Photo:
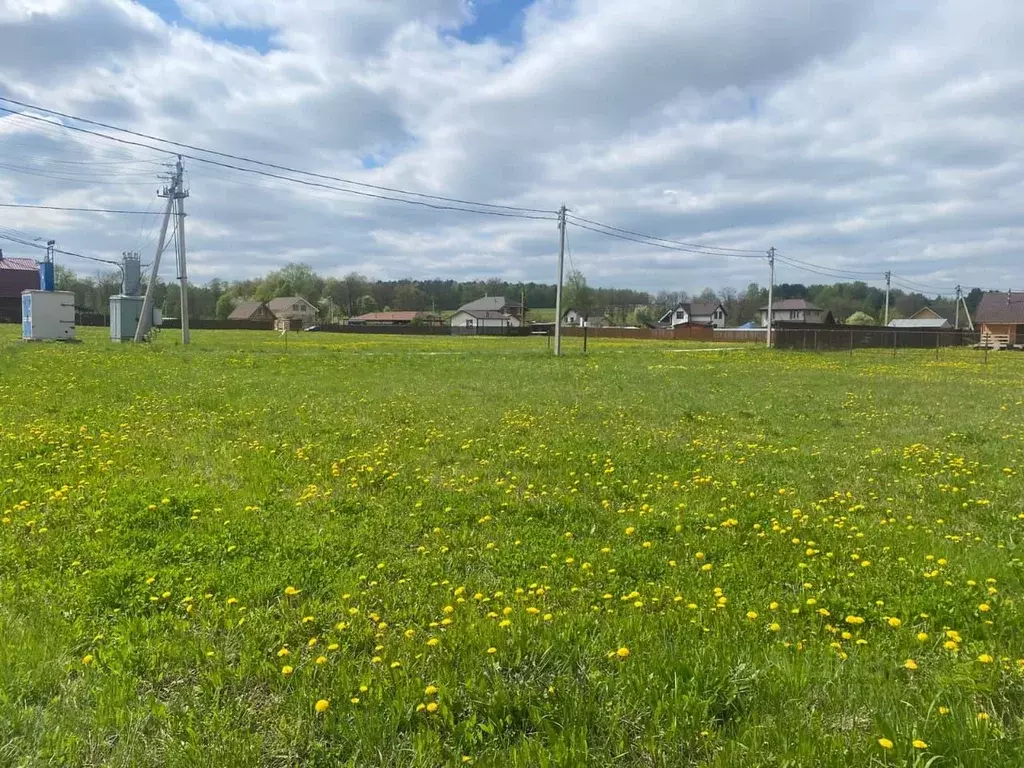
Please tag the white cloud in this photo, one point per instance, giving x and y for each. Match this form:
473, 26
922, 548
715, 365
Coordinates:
861, 135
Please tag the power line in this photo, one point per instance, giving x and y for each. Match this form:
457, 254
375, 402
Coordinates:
824, 271
679, 244
304, 182
31, 244
79, 210
244, 159
838, 270
915, 286
653, 243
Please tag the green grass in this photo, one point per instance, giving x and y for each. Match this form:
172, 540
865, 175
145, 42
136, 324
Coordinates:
718, 514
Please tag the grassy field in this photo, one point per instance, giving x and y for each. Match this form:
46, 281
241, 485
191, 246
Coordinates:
367, 551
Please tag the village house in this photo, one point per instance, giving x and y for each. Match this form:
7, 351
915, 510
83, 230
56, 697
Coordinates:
695, 313
1000, 318
595, 318
16, 275
796, 311
488, 312
925, 319
401, 317
292, 313
252, 312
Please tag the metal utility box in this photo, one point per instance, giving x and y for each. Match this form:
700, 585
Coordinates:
125, 312
47, 315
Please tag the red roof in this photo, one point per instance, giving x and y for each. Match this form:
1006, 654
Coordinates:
18, 265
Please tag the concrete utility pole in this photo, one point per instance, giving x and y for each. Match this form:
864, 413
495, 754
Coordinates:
771, 292
146, 317
957, 323
888, 282
558, 290
179, 197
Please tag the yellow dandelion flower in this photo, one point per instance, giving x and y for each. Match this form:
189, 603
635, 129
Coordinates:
354, 699
321, 659
983, 715
943, 710
433, 642
751, 615
492, 649
893, 622
885, 743
623, 652
291, 591
430, 690
910, 664
286, 670
432, 707
87, 659
855, 620
282, 653
376, 660
322, 706
922, 636
985, 658
774, 626
918, 744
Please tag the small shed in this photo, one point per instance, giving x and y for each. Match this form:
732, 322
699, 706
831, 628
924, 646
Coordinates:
1000, 316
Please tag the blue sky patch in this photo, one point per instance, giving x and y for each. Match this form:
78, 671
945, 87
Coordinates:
257, 39
501, 20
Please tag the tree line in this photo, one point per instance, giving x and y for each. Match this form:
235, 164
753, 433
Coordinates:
356, 294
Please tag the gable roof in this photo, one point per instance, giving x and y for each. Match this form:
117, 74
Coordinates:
482, 314
245, 310
399, 316
921, 323
1001, 307
793, 304
704, 307
282, 306
490, 304
926, 313
18, 265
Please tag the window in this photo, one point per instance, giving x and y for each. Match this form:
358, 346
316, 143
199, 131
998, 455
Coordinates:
680, 314
469, 323
295, 307
794, 314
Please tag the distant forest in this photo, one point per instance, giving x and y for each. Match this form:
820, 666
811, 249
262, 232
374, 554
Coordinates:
356, 294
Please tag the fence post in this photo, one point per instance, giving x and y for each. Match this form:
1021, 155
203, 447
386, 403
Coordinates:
851, 343
936, 346
894, 343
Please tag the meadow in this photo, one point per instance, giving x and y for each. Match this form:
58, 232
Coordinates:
340, 550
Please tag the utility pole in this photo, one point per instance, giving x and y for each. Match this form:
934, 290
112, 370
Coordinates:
771, 292
146, 316
558, 289
179, 196
957, 323
888, 282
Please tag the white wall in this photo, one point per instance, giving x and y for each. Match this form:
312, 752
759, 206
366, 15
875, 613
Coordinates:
465, 320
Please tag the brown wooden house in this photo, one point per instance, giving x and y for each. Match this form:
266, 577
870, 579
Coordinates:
1000, 317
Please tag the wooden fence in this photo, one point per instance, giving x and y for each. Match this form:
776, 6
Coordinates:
868, 337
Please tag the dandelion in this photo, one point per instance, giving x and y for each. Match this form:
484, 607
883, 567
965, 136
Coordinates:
87, 659
623, 652
333, 647
918, 744
751, 615
321, 659
430, 690
376, 660
396, 664
354, 699
774, 626
943, 711
432, 707
893, 622
322, 706
492, 649
985, 658
983, 715
291, 591
885, 743
984, 608
910, 664
432, 642
282, 653
922, 636
286, 670
855, 620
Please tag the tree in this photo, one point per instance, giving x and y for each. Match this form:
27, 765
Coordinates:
225, 306
365, 305
860, 318
579, 295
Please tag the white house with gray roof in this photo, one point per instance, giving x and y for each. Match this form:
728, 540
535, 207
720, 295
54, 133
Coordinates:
488, 312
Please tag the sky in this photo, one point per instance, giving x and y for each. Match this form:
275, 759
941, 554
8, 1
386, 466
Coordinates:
857, 136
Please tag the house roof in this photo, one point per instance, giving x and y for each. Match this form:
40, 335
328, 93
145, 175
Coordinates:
401, 316
920, 323
282, 306
1001, 307
704, 307
793, 304
18, 265
490, 304
244, 310
926, 313
482, 314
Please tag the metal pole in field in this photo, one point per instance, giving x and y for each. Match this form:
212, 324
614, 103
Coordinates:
771, 291
888, 282
558, 289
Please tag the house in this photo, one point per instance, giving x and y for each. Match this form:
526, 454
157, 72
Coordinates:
16, 275
925, 319
595, 318
292, 313
488, 312
695, 312
796, 311
1000, 317
395, 318
252, 312
483, 318
495, 304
